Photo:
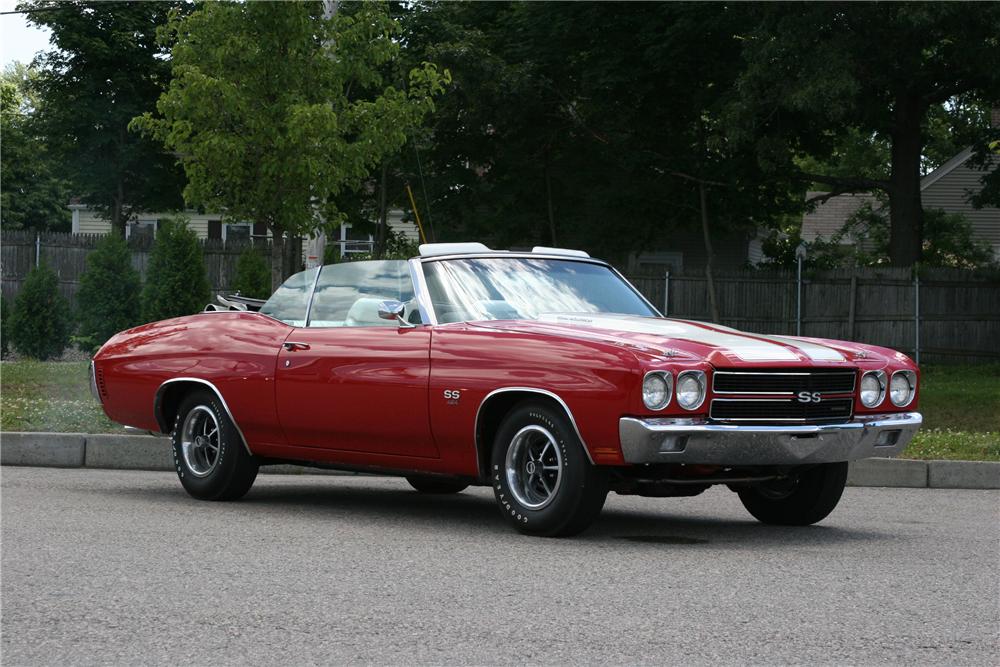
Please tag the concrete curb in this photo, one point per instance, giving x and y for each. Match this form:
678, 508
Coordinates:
143, 452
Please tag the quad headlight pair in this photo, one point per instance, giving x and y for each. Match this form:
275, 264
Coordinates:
902, 388
658, 389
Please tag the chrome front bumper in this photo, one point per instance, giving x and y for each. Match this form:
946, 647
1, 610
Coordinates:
680, 441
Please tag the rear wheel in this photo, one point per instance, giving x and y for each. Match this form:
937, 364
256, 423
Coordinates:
434, 485
541, 476
211, 460
800, 501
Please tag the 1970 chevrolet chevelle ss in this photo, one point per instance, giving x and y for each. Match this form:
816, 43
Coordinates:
543, 374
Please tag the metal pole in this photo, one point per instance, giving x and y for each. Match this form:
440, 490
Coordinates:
666, 294
798, 300
916, 316
38, 249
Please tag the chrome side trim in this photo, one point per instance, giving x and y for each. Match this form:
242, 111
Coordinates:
530, 390
229, 413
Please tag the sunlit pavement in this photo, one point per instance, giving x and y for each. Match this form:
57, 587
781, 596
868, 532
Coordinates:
123, 567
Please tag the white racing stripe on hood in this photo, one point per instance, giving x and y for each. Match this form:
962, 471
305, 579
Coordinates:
746, 348
815, 351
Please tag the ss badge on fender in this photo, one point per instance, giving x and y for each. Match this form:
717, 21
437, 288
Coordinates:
452, 396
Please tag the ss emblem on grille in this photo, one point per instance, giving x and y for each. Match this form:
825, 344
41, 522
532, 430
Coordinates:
809, 397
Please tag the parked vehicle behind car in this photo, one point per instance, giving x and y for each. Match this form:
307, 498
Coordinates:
542, 374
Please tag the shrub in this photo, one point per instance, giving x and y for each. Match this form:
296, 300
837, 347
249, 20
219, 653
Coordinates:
40, 324
176, 283
108, 300
253, 275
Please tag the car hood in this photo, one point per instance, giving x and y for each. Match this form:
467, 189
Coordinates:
721, 346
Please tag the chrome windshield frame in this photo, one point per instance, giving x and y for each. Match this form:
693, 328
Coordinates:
427, 307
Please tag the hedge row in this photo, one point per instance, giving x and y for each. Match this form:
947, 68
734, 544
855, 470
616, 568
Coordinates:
112, 298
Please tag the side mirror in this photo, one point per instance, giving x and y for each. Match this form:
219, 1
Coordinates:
393, 310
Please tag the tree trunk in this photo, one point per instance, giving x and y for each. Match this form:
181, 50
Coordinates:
118, 210
548, 201
277, 258
906, 215
713, 302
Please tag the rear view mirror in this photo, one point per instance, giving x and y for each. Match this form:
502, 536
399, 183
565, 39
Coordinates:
393, 310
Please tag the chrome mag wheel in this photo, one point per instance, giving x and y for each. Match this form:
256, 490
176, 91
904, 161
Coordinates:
534, 467
200, 441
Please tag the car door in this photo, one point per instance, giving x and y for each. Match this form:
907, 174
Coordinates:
351, 381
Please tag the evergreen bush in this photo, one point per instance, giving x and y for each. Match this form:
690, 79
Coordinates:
108, 300
176, 283
40, 325
253, 275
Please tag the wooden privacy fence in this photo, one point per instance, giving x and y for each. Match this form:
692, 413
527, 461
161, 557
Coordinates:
66, 254
944, 315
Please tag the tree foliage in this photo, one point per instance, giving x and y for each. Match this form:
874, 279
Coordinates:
886, 72
108, 299
275, 110
253, 275
40, 325
33, 195
176, 283
106, 67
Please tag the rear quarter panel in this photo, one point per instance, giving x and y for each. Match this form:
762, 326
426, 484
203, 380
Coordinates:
236, 352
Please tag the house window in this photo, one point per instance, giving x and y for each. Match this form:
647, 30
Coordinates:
354, 241
237, 232
215, 229
141, 228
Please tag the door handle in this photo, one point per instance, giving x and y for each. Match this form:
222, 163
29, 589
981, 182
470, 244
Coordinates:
292, 347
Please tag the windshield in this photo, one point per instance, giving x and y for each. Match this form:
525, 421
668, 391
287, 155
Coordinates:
511, 288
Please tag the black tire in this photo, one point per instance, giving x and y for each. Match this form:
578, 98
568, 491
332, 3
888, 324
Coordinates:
807, 499
435, 485
217, 467
540, 502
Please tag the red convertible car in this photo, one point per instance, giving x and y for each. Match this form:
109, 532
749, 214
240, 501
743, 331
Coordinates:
543, 374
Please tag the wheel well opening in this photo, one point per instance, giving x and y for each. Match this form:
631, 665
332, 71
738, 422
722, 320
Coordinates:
492, 413
168, 401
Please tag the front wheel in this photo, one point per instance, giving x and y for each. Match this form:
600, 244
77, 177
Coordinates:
211, 460
800, 501
541, 476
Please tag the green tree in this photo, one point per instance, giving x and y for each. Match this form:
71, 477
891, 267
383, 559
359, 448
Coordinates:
275, 109
176, 283
32, 194
40, 325
885, 71
106, 67
108, 299
253, 276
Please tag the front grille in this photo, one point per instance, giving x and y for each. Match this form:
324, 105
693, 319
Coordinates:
783, 395
763, 410
783, 382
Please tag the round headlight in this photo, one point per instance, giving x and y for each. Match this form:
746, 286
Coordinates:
690, 389
656, 390
901, 388
872, 388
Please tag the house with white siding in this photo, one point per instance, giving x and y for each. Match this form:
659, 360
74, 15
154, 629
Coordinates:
950, 188
216, 226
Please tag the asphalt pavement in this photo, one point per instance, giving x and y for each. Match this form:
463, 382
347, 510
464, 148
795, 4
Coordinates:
122, 567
